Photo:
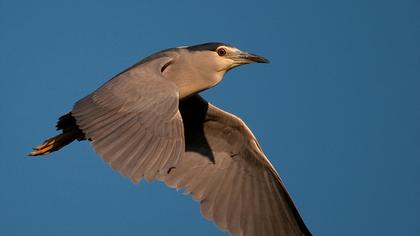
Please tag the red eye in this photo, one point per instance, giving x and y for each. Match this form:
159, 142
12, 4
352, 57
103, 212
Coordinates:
221, 52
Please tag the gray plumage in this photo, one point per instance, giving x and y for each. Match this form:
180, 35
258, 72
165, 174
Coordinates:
149, 122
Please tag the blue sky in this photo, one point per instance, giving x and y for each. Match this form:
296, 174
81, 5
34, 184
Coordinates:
337, 111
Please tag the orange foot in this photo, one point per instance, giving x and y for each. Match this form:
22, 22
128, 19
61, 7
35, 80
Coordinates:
43, 149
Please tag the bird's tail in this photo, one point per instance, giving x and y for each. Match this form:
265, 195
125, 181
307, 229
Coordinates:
70, 132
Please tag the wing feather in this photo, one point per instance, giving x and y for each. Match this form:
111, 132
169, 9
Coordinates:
225, 169
133, 121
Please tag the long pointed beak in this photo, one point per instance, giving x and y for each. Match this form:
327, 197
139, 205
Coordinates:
247, 58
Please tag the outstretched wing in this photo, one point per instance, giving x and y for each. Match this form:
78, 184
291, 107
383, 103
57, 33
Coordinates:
225, 169
133, 121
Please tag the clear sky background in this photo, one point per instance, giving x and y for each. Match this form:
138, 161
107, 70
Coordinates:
337, 111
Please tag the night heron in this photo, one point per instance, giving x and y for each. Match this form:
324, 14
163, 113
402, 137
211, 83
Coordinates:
149, 122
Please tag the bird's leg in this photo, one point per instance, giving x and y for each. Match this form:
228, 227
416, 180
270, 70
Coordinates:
57, 142
44, 148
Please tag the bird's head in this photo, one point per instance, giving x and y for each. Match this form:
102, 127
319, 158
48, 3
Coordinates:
200, 67
222, 57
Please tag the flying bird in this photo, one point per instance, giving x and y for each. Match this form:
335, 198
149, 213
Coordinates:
149, 122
